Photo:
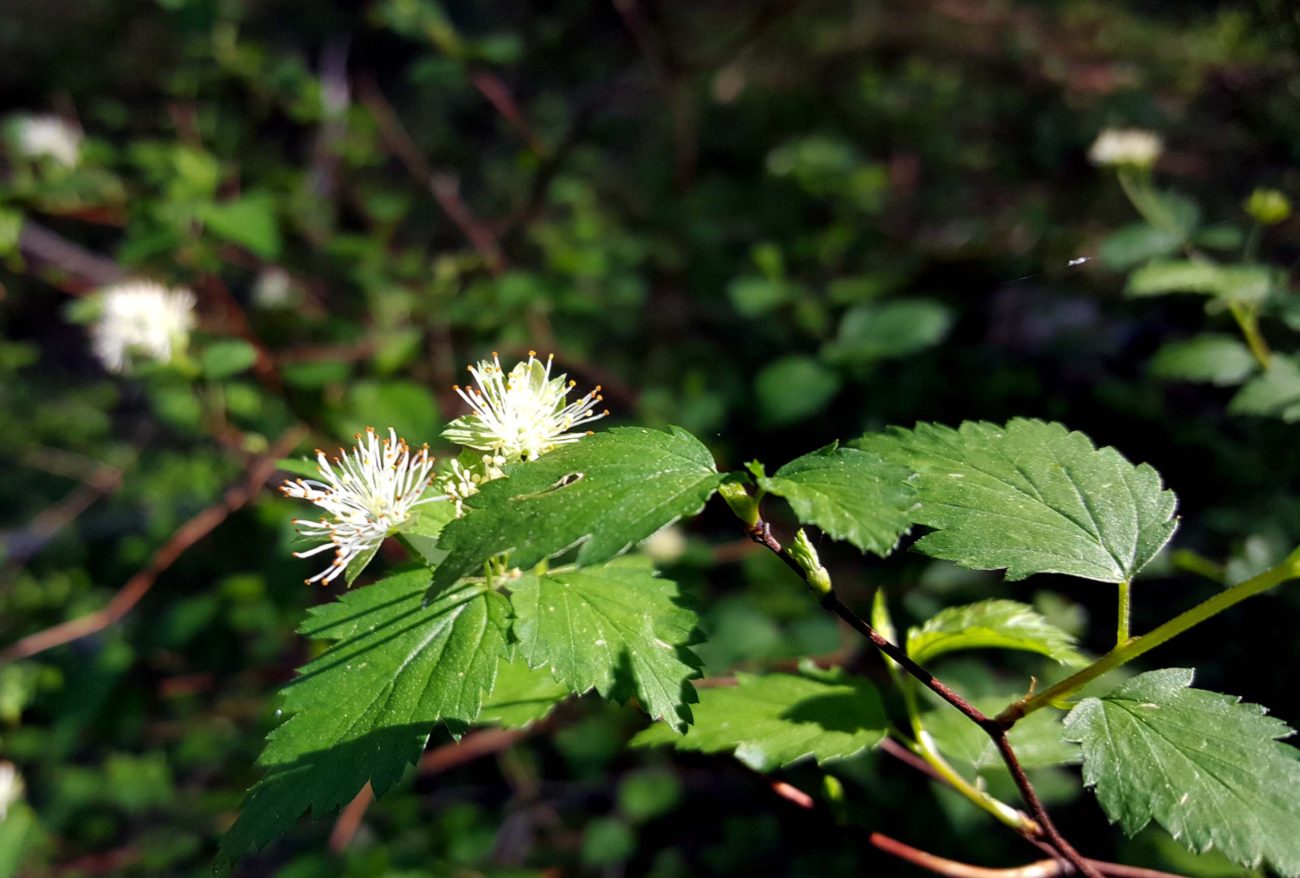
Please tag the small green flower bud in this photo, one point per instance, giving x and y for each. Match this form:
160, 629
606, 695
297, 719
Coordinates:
1268, 207
741, 503
801, 551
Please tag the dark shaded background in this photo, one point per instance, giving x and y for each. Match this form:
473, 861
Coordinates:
685, 202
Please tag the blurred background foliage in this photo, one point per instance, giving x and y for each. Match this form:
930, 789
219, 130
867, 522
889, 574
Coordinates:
774, 223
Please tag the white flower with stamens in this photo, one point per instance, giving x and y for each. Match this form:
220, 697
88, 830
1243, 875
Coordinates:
369, 491
523, 414
48, 137
141, 319
1132, 147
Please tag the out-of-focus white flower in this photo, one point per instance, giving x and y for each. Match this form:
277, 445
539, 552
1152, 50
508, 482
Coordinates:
368, 491
273, 288
49, 137
665, 545
11, 787
1133, 147
523, 414
141, 319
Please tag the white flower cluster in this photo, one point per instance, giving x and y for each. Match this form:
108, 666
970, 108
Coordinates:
515, 415
522, 414
368, 491
1126, 147
371, 490
48, 137
141, 319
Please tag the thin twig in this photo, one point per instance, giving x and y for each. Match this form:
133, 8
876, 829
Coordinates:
139, 585
910, 759
498, 95
1039, 869
81, 270
349, 819
761, 532
19, 547
483, 742
443, 185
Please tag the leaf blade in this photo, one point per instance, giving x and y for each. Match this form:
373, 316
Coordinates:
603, 495
595, 626
992, 624
1031, 497
1206, 766
850, 494
770, 721
353, 719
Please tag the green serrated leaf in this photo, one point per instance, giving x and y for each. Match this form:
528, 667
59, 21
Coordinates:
995, 624
617, 628
362, 711
421, 531
521, 696
1223, 360
604, 494
850, 494
1273, 393
772, 720
1203, 765
1037, 738
358, 565
1032, 497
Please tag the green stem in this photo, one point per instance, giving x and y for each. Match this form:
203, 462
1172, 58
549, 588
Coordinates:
1137, 188
1126, 652
1125, 597
923, 745
1248, 322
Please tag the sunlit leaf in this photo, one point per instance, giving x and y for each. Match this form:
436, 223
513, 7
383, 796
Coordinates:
773, 720
1032, 497
603, 494
1203, 765
850, 494
995, 624
362, 711
617, 628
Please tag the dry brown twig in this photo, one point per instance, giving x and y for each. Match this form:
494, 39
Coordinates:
483, 742
444, 186
185, 537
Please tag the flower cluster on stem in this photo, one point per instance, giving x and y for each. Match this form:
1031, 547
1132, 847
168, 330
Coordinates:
371, 490
367, 491
516, 415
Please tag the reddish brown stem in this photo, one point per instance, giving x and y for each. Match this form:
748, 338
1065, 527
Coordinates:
139, 585
475, 745
1039, 869
761, 532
